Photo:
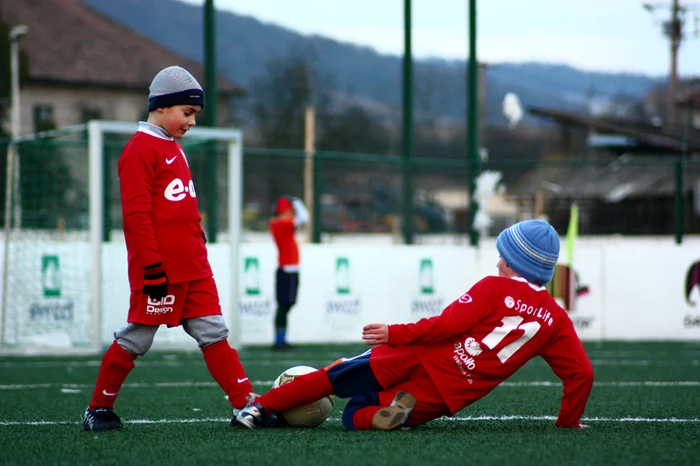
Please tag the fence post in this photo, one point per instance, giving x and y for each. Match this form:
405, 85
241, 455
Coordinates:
210, 119
473, 125
316, 205
407, 106
678, 200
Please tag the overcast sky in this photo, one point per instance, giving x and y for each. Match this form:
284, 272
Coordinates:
596, 35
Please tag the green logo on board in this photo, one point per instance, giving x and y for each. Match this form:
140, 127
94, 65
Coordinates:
425, 276
342, 275
251, 276
51, 276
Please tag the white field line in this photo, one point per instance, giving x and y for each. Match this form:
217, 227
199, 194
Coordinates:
672, 420
683, 353
166, 363
70, 386
314, 362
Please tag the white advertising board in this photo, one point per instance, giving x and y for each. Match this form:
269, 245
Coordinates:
629, 289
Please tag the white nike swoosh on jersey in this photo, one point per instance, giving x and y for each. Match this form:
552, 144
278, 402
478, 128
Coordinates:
108, 394
169, 161
242, 380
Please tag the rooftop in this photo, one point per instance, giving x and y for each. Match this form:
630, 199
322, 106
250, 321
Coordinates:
70, 43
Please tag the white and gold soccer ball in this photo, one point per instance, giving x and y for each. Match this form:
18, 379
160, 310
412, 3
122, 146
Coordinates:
311, 414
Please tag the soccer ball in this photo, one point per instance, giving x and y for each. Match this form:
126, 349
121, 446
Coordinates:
311, 414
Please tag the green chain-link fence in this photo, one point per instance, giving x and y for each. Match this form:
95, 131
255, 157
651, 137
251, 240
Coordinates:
361, 193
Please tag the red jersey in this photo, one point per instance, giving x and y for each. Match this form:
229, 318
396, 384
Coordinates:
282, 230
160, 212
490, 332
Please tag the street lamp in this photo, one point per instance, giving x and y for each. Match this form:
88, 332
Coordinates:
16, 34
12, 171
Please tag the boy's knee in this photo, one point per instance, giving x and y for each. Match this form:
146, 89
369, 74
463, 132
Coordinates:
206, 330
135, 338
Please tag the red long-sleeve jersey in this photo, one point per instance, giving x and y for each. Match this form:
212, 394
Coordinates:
282, 230
490, 332
160, 212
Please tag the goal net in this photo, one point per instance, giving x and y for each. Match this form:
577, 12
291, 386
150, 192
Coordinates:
64, 276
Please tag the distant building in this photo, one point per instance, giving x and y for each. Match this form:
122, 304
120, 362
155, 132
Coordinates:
689, 103
84, 65
628, 180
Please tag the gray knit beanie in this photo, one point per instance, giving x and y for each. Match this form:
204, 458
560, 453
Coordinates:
174, 85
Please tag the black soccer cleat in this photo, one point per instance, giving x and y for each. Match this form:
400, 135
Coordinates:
101, 420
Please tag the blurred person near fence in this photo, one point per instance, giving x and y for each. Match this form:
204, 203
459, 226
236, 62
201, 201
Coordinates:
290, 213
438, 366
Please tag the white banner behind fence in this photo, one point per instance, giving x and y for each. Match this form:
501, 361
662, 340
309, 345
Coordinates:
637, 288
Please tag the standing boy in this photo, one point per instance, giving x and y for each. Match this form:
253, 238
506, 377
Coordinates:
290, 213
170, 277
440, 365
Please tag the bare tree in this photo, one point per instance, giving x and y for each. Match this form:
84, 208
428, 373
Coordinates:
280, 96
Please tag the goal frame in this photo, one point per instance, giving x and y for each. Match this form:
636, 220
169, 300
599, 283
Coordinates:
96, 130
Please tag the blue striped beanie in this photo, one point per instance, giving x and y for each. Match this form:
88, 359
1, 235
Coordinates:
531, 249
172, 86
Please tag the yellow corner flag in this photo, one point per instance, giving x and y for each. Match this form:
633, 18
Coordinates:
571, 235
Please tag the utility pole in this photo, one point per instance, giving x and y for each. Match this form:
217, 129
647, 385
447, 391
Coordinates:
673, 29
313, 235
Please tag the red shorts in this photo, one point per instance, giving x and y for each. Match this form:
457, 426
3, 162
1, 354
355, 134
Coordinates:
399, 369
185, 300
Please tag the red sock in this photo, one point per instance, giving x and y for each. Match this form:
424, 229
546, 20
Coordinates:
303, 389
116, 365
224, 365
362, 419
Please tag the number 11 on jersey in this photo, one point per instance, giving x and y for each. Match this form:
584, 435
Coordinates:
510, 323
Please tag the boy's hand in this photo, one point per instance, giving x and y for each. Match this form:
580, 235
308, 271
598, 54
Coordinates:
375, 334
155, 282
301, 215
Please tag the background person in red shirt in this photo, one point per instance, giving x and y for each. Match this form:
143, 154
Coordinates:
290, 213
440, 365
170, 277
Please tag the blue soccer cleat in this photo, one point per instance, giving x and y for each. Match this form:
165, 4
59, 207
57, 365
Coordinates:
253, 415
